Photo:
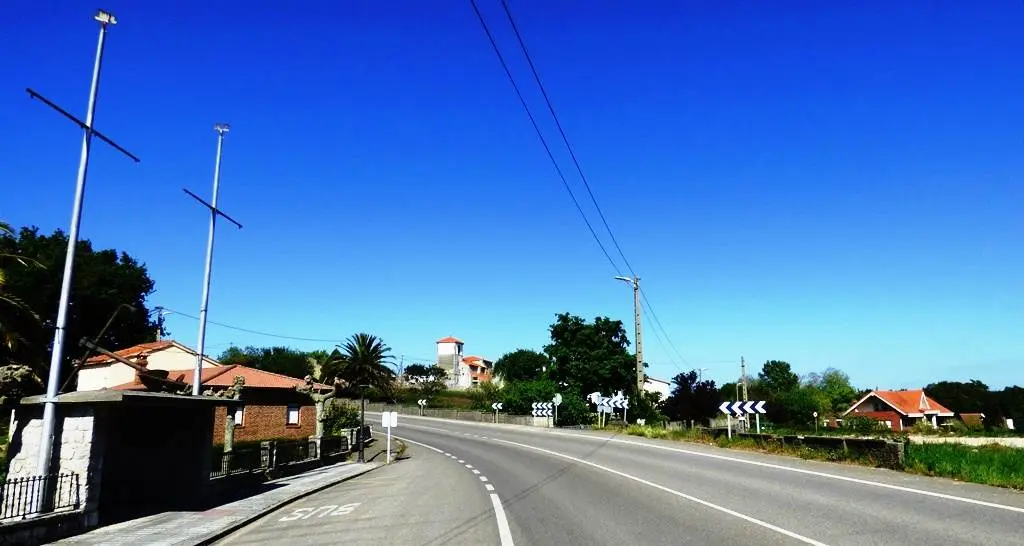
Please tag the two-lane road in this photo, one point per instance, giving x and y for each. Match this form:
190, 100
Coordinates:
567, 487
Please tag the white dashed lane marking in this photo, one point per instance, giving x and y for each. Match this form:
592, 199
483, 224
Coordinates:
504, 533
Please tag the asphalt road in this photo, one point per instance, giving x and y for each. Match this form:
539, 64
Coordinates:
469, 483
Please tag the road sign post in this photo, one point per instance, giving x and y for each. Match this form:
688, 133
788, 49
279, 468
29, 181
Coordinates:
496, 407
421, 403
389, 420
557, 401
741, 409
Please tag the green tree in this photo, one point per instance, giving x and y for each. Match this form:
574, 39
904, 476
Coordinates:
16, 317
691, 398
519, 396
281, 360
521, 365
364, 360
836, 387
777, 378
591, 357
103, 281
574, 409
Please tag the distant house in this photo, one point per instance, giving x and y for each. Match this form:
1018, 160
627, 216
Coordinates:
899, 410
660, 386
463, 371
103, 372
973, 419
272, 407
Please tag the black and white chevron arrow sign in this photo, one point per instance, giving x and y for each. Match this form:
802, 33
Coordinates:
741, 408
543, 409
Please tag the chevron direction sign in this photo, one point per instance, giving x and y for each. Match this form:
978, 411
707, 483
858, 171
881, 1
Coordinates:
422, 402
606, 403
543, 409
496, 406
742, 407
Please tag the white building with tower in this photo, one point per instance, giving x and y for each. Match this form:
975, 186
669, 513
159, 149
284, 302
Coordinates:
463, 371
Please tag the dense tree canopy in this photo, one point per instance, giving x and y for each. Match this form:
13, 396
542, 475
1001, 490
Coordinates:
691, 398
521, 365
282, 360
103, 281
364, 361
777, 378
591, 357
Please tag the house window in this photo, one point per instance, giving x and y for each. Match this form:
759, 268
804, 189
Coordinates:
292, 416
239, 414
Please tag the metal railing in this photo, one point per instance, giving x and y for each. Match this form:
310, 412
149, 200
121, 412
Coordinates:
30, 495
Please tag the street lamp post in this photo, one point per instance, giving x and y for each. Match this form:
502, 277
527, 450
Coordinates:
635, 282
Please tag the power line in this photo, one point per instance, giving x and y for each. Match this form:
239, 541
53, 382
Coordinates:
657, 322
561, 131
257, 332
540, 135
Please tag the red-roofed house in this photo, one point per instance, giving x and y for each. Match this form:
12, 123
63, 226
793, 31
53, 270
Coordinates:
271, 407
900, 409
103, 372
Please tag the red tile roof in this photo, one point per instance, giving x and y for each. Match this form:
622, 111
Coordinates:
472, 359
906, 402
223, 376
449, 339
140, 350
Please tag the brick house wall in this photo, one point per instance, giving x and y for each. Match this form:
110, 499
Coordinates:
265, 416
893, 417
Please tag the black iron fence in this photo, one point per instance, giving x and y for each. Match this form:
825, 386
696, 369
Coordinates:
30, 495
272, 454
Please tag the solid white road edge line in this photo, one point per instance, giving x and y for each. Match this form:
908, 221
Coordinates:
847, 479
904, 489
680, 494
499, 513
504, 533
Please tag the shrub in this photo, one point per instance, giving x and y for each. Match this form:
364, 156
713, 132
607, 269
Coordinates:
339, 416
863, 425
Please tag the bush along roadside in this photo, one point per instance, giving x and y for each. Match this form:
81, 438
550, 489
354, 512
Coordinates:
989, 465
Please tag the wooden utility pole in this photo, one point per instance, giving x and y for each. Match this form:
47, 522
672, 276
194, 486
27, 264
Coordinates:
639, 337
743, 376
635, 282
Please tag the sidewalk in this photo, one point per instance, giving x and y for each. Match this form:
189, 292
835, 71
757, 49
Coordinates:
191, 528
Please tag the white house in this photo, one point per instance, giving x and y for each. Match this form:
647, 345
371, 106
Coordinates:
463, 371
103, 372
660, 386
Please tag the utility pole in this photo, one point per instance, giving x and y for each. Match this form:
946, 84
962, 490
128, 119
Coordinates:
743, 375
46, 442
222, 129
635, 281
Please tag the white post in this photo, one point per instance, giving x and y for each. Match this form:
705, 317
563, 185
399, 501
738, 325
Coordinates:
389, 446
57, 355
728, 424
757, 417
201, 345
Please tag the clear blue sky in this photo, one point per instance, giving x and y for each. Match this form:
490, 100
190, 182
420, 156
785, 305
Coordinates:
828, 185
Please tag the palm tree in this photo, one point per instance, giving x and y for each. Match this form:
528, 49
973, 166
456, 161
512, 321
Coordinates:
363, 362
12, 309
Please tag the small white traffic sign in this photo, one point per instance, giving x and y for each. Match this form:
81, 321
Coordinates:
389, 419
557, 400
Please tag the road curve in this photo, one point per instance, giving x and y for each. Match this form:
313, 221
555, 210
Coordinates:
585, 488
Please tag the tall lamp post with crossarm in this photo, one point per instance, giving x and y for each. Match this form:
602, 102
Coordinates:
635, 282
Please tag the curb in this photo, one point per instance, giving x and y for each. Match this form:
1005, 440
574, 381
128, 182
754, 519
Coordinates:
213, 537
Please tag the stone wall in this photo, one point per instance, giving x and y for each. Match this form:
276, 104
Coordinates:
459, 415
1016, 442
79, 450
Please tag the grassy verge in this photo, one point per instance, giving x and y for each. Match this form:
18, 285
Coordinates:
989, 465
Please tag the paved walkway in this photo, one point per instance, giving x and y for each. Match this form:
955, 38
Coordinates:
191, 528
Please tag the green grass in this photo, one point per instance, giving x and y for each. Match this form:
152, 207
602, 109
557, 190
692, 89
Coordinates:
990, 465
994, 465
